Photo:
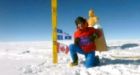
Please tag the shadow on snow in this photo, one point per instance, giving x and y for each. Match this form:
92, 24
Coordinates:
107, 61
124, 46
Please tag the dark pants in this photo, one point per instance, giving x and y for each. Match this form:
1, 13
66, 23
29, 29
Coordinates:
90, 57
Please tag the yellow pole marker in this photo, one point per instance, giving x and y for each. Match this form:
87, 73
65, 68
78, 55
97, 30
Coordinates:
54, 30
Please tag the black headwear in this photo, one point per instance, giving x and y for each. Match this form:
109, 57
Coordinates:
79, 20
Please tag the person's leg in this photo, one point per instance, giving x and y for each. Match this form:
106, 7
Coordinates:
74, 49
90, 60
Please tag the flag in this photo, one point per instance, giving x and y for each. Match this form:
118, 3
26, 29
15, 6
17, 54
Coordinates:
60, 37
68, 37
62, 48
59, 31
63, 35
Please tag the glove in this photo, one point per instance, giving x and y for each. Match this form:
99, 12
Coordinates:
93, 37
76, 41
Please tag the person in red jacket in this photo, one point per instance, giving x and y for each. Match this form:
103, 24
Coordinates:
84, 38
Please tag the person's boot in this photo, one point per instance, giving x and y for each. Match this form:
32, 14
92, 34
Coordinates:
97, 61
74, 63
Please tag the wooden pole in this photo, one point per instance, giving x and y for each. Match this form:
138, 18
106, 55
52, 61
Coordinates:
54, 30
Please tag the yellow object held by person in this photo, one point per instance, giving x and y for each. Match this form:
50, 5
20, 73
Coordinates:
93, 22
92, 18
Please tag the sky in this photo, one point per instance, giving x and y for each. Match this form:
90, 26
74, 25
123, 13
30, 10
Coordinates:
30, 20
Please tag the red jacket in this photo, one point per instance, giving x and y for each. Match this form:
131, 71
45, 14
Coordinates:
85, 43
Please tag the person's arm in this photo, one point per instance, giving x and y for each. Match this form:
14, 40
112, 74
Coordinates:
95, 35
76, 39
98, 33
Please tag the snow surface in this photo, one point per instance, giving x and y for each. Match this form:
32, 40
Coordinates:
35, 58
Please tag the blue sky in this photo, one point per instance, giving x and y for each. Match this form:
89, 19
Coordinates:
30, 20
